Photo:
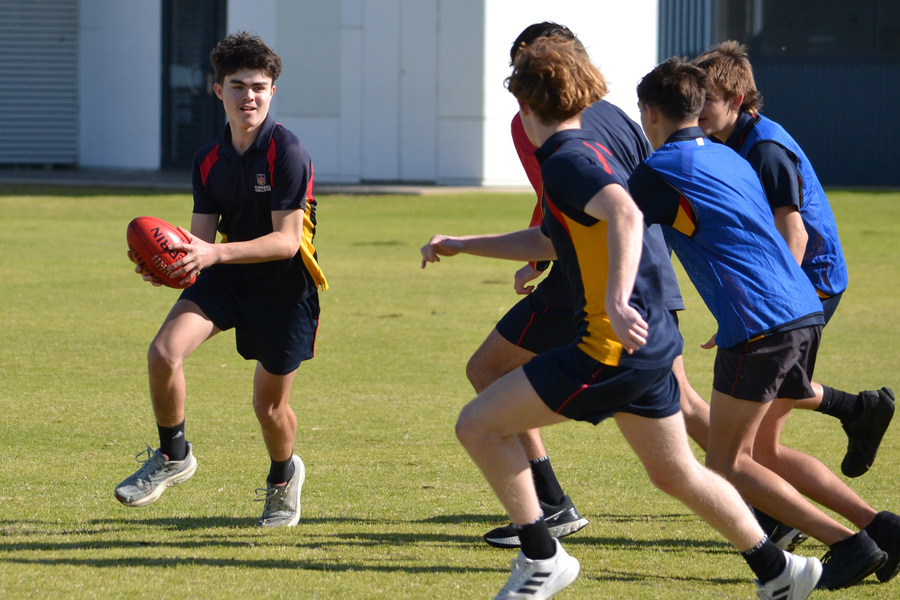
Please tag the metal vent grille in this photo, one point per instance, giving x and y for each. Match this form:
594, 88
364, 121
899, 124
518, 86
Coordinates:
685, 27
39, 82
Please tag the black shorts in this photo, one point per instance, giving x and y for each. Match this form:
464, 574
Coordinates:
279, 334
576, 386
779, 365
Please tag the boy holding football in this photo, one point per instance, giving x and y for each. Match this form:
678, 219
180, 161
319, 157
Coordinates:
254, 186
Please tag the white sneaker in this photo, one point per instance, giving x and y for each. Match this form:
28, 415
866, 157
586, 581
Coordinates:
155, 475
539, 579
282, 507
796, 582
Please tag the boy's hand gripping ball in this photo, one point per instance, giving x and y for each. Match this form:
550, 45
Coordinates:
149, 247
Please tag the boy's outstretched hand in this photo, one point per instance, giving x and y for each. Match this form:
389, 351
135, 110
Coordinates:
440, 245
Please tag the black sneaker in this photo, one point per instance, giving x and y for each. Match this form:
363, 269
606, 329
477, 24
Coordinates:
787, 538
865, 433
561, 520
848, 566
782, 535
885, 531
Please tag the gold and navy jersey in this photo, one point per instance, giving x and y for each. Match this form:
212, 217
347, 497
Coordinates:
574, 167
607, 124
275, 173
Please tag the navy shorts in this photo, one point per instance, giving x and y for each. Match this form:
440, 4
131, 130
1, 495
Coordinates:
775, 366
829, 305
576, 386
279, 333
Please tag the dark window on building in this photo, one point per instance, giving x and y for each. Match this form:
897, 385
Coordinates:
811, 29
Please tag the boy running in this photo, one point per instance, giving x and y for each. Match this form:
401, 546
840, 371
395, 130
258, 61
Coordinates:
619, 365
769, 321
804, 218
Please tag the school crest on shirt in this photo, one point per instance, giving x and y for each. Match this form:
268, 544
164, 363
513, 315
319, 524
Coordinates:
261, 185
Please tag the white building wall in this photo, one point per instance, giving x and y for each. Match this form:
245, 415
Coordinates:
379, 90
412, 90
620, 37
460, 72
120, 78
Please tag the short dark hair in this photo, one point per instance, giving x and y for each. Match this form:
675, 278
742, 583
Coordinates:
243, 50
539, 30
555, 78
676, 88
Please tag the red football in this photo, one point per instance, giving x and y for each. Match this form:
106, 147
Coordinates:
149, 239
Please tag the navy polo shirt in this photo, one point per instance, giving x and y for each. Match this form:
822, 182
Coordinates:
275, 173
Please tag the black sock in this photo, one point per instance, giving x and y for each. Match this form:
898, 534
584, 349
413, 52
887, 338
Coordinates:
765, 560
872, 528
766, 521
537, 544
841, 405
281, 471
172, 442
545, 482
846, 542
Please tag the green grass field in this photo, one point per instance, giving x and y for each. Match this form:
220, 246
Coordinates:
392, 506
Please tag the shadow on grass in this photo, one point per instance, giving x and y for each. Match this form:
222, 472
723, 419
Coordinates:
268, 564
172, 542
18, 538
83, 543
645, 578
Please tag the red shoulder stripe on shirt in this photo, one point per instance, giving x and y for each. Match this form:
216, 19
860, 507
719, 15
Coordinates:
596, 148
309, 186
208, 163
270, 158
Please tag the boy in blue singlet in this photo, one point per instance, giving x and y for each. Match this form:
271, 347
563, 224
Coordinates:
620, 363
254, 185
803, 217
769, 320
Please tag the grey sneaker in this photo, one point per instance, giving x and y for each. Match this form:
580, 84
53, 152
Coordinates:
796, 582
282, 507
539, 579
156, 474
